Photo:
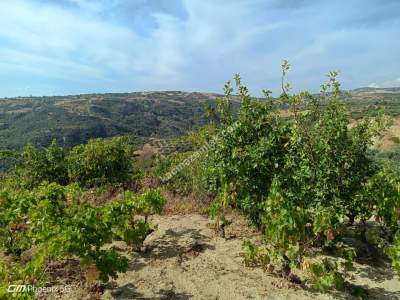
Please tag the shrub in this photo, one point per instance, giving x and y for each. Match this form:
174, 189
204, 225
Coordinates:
301, 178
52, 221
35, 165
101, 162
98, 163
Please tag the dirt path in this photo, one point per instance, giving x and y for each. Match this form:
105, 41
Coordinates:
186, 260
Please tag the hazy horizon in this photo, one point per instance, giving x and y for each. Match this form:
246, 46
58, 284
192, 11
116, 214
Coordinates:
256, 94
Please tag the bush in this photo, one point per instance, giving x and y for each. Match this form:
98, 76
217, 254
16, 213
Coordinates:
101, 162
52, 221
34, 165
98, 163
301, 179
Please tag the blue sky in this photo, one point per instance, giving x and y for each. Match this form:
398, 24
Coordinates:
58, 47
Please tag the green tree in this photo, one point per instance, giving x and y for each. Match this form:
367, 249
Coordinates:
302, 176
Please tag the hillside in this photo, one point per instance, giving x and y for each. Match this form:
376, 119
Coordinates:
372, 90
75, 119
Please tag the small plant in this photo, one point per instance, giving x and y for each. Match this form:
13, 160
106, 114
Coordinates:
255, 255
325, 275
394, 253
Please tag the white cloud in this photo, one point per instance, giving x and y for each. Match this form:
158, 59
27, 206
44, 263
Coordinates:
374, 85
386, 84
87, 42
61, 43
391, 83
50, 39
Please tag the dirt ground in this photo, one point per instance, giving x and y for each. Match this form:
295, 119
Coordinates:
386, 142
185, 259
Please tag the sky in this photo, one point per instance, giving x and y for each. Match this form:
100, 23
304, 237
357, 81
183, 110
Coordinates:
61, 47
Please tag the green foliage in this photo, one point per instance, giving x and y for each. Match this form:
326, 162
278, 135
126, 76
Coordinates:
34, 165
254, 255
21, 274
394, 253
285, 224
325, 275
193, 174
52, 215
391, 156
101, 162
98, 163
182, 182
301, 178
380, 198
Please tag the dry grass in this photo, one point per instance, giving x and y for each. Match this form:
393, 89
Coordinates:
182, 205
391, 134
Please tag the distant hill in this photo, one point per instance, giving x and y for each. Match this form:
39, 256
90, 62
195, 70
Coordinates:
77, 118
372, 90
367, 101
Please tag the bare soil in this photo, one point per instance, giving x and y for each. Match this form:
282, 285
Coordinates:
185, 259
